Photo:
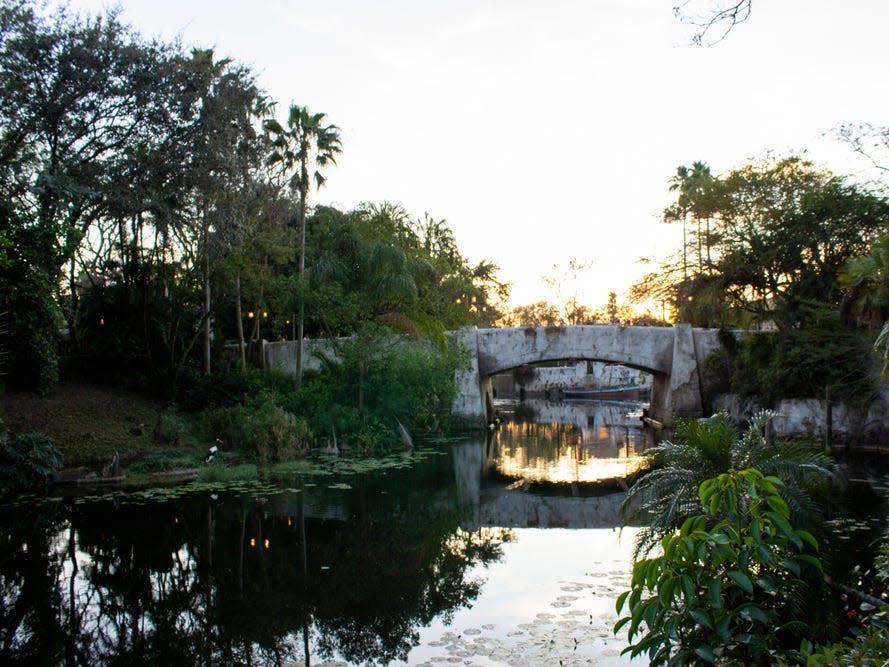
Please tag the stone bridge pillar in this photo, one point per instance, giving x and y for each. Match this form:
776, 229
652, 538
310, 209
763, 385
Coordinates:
470, 402
683, 396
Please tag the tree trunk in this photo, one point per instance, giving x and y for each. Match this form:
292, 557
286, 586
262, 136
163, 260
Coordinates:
300, 325
242, 348
206, 276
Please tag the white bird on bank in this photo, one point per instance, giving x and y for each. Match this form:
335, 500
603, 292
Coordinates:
212, 451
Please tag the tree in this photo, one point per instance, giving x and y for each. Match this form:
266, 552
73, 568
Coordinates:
565, 284
75, 92
305, 143
866, 280
220, 159
539, 314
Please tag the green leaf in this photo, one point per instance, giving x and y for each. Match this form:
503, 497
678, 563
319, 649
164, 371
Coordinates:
714, 593
790, 564
618, 606
767, 584
701, 617
665, 587
811, 560
704, 652
754, 612
621, 623
808, 538
778, 505
742, 580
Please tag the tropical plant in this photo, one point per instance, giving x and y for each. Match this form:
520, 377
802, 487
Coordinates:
665, 496
29, 459
722, 590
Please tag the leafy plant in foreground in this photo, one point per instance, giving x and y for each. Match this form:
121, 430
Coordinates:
27, 460
663, 498
721, 591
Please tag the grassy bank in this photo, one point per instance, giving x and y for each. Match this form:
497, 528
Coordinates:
88, 423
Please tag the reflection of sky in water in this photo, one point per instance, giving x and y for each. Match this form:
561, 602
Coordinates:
550, 598
582, 443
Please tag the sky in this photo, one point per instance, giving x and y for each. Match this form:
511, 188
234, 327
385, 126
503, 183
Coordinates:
545, 131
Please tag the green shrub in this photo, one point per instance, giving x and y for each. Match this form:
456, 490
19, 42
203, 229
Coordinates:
172, 429
379, 380
723, 589
28, 460
260, 428
800, 362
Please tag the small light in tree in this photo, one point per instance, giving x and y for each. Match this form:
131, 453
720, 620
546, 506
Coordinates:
265, 314
266, 543
249, 314
252, 542
101, 321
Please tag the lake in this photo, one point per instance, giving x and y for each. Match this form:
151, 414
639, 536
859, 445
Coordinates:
499, 550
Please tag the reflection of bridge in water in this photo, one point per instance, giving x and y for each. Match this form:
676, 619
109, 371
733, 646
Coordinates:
534, 474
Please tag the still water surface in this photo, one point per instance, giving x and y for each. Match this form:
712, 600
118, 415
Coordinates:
496, 551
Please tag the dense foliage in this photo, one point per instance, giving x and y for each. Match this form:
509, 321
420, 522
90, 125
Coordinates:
27, 460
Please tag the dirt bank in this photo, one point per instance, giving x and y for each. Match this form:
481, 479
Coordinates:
88, 423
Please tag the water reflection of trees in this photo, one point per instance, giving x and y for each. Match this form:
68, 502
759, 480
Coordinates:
203, 581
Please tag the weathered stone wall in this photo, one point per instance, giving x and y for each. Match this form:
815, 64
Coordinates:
807, 418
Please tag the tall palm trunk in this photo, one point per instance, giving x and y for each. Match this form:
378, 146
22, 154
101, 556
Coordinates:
301, 318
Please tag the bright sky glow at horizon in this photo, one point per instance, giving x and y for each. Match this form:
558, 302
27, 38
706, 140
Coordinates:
546, 131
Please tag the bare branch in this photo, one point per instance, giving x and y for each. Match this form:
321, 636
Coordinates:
721, 18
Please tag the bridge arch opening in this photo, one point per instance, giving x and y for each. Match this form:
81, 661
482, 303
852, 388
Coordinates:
567, 378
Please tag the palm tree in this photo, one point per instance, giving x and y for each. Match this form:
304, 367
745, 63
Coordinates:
691, 185
699, 183
667, 495
679, 211
305, 143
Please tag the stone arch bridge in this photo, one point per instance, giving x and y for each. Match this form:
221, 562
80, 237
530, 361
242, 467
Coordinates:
673, 355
